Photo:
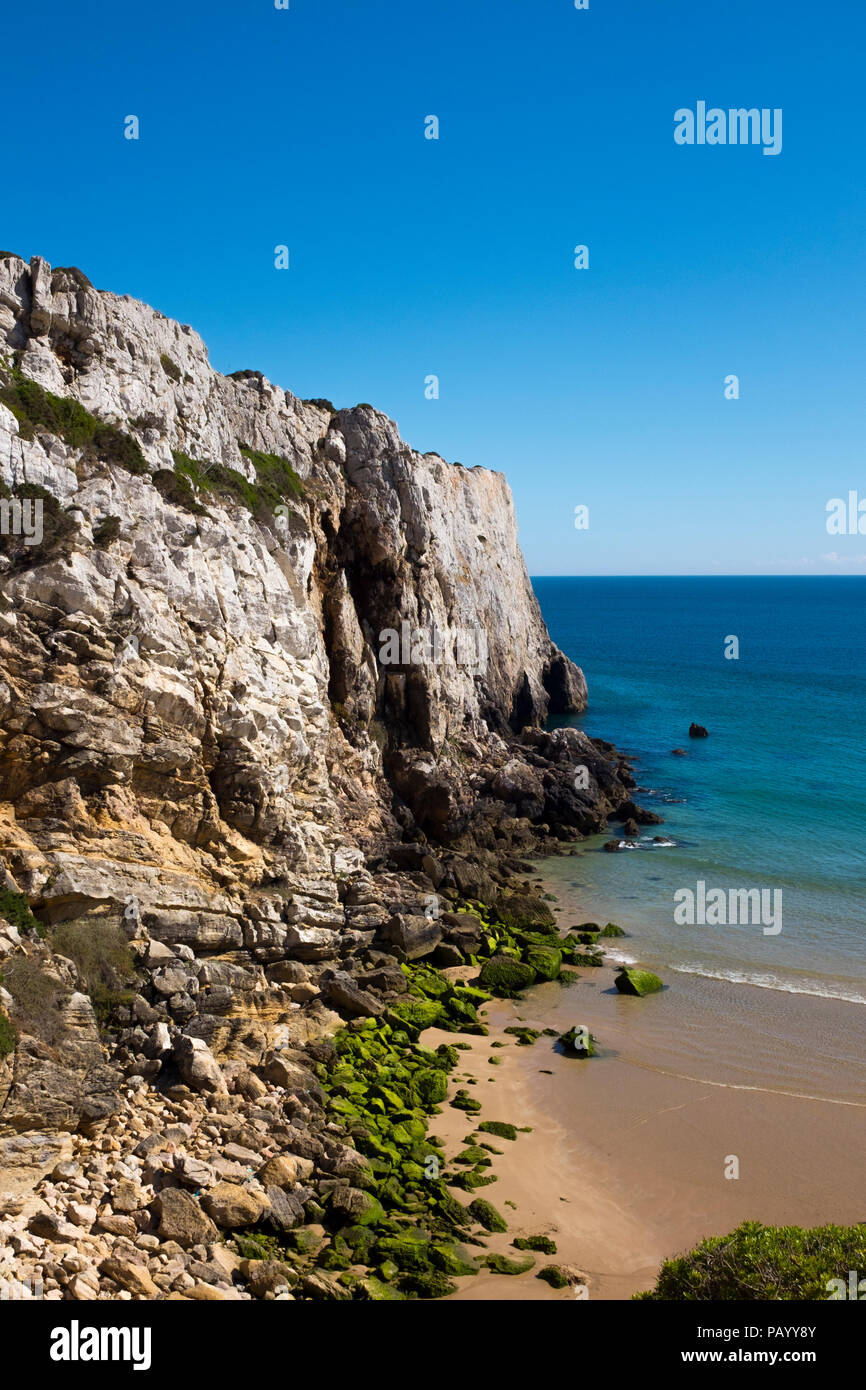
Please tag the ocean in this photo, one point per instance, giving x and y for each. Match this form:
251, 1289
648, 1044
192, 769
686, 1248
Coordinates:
774, 798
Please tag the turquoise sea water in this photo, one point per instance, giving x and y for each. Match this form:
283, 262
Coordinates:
774, 799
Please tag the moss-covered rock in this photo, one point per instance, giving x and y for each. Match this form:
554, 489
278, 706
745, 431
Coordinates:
377, 1290
553, 1275
586, 958
578, 1041
506, 977
486, 1215
612, 930
407, 1252
541, 1243
501, 1264
414, 1015
453, 1260
640, 982
473, 1157
500, 1128
429, 1284
463, 1101
525, 1036
546, 961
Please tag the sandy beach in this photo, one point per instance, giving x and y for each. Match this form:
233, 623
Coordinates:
627, 1157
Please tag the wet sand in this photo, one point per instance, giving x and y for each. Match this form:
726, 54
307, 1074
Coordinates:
626, 1161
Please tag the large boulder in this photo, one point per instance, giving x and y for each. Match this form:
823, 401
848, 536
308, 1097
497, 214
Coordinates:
180, 1218
414, 937
233, 1206
632, 981
504, 976
198, 1066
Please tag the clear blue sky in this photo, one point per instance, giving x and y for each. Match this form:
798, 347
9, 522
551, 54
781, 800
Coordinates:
410, 257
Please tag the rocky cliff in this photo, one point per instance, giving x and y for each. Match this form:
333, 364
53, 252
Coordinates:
273, 691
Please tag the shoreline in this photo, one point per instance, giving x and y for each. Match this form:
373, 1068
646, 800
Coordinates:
638, 1144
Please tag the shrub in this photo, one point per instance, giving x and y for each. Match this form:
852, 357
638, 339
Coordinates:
37, 997
69, 277
8, 1036
101, 952
15, 908
171, 369
764, 1263
35, 408
276, 477
175, 486
59, 529
106, 532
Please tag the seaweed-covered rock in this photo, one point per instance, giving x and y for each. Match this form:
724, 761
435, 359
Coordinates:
578, 1041
612, 930
453, 1260
360, 1206
586, 958
428, 1284
554, 1275
432, 1086
632, 981
486, 1215
502, 1264
414, 1015
546, 961
463, 1101
499, 1128
525, 1036
506, 977
541, 1243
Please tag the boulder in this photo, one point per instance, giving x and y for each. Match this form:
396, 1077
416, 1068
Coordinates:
578, 1041
198, 1066
233, 1206
414, 937
132, 1277
342, 992
632, 981
506, 977
180, 1218
698, 731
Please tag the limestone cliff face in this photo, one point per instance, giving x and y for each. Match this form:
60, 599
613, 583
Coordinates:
198, 728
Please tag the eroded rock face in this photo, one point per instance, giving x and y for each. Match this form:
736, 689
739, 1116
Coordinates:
218, 719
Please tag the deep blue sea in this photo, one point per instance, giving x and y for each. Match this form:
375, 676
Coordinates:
775, 798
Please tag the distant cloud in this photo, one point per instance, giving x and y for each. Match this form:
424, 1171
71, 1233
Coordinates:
847, 561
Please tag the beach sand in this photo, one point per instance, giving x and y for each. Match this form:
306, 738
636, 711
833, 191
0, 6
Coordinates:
626, 1160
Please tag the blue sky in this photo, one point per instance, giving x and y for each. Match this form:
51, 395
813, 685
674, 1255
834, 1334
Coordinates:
454, 257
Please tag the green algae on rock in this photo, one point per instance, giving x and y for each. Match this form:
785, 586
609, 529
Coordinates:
639, 982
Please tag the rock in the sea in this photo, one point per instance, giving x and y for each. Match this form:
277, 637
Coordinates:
578, 1041
633, 981
698, 731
